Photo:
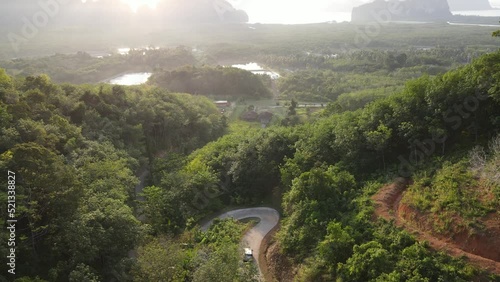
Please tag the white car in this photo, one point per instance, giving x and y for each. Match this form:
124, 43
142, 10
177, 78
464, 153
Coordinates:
248, 255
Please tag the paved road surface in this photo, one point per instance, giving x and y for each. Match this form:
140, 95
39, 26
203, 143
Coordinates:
269, 218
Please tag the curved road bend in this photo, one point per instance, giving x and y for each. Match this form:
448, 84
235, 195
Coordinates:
269, 218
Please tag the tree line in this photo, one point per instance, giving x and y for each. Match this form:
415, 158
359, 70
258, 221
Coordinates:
225, 82
326, 170
76, 151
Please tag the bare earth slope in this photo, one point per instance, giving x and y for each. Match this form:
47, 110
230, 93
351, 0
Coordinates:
387, 206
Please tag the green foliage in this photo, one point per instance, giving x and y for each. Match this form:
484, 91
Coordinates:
382, 253
214, 255
83, 273
28, 279
223, 232
394, 127
5, 84
74, 150
83, 68
327, 86
316, 198
378, 139
418, 118
223, 258
161, 260
453, 191
359, 99
317, 162
48, 194
352, 80
368, 261
374, 261
221, 265
418, 263
176, 122
448, 189
216, 82
337, 245
240, 168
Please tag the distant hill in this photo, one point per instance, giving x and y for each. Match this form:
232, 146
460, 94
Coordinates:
114, 13
410, 10
468, 5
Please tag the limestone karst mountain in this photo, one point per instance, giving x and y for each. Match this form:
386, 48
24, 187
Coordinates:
107, 13
410, 10
467, 5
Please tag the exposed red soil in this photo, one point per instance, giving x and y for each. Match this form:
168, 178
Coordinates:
280, 267
264, 249
481, 249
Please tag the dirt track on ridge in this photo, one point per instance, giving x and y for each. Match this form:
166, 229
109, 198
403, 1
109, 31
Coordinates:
387, 206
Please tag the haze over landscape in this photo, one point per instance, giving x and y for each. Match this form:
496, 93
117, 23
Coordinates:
164, 11
249, 140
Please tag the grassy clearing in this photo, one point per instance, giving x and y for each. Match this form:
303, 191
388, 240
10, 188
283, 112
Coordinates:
459, 193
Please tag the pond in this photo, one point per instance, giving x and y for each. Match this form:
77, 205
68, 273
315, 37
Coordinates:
131, 79
257, 69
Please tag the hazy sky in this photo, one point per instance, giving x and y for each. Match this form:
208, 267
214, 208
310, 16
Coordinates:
134, 4
283, 11
291, 11
338, 5
302, 11
286, 11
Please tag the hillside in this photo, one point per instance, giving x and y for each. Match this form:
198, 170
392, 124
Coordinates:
75, 150
350, 245
413, 10
460, 202
429, 115
220, 81
466, 5
410, 10
112, 14
478, 242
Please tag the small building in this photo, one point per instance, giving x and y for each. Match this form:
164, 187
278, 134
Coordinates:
222, 104
250, 116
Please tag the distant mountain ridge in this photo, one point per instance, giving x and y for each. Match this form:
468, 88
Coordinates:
469, 5
109, 13
410, 10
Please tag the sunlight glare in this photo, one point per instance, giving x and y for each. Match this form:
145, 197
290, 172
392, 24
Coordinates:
296, 12
136, 4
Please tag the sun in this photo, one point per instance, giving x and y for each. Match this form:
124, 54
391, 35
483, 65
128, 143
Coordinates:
136, 4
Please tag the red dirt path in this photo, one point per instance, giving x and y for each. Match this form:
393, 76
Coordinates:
387, 206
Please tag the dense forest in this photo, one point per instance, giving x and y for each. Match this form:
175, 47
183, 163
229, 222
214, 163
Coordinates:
326, 170
83, 67
227, 82
112, 183
77, 152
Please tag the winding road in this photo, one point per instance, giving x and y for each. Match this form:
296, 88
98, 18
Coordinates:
269, 218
